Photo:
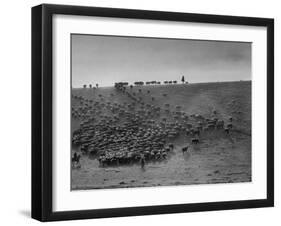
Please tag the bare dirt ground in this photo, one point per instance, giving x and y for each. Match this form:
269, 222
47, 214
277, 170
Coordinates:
218, 158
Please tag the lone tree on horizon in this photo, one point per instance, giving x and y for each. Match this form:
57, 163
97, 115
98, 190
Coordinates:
97, 85
182, 79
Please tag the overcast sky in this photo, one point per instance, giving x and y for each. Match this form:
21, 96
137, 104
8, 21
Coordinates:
109, 59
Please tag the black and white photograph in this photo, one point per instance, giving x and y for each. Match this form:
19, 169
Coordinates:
149, 112
145, 112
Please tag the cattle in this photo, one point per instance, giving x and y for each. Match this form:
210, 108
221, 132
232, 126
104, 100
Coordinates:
167, 111
220, 124
167, 149
199, 128
198, 117
176, 117
214, 120
119, 133
171, 146
139, 83
189, 126
196, 132
229, 126
211, 126
184, 149
195, 140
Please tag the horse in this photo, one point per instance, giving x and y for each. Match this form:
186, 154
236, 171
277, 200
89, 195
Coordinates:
75, 160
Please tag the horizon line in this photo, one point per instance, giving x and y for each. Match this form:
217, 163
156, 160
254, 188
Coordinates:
162, 84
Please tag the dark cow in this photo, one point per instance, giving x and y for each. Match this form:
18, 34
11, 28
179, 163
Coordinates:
220, 124
195, 140
229, 126
188, 126
184, 149
196, 132
171, 146
211, 126
205, 129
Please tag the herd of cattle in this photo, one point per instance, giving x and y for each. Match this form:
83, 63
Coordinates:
135, 131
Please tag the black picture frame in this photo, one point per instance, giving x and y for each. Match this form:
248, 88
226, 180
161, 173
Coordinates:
42, 111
